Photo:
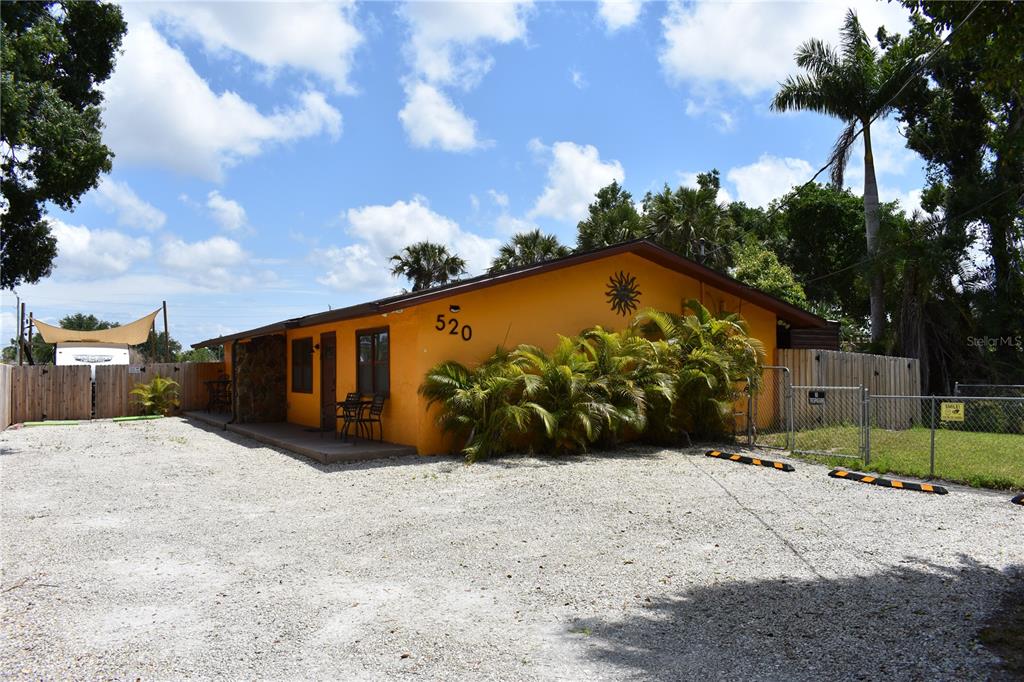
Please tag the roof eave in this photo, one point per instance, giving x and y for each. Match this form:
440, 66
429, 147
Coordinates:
657, 254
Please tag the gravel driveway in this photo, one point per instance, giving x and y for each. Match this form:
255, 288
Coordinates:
166, 550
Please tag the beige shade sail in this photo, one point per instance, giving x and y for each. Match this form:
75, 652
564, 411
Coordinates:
132, 334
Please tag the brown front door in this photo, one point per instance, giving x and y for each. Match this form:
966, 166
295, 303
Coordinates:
328, 381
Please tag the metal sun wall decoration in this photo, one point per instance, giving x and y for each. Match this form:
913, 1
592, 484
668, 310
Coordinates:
622, 293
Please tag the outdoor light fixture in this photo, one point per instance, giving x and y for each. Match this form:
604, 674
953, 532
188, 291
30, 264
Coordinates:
454, 308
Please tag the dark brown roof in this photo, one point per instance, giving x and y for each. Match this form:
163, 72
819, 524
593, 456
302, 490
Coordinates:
797, 317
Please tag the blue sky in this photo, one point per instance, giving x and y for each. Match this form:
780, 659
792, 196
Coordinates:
271, 157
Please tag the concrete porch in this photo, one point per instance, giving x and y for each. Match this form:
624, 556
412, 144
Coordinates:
302, 440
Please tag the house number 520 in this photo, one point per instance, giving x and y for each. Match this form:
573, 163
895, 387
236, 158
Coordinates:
453, 327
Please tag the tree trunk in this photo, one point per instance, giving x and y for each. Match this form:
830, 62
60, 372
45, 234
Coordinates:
1001, 218
871, 227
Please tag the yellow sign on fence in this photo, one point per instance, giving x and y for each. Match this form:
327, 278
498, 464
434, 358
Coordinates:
952, 412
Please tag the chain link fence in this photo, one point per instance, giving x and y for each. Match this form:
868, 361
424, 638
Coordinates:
829, 421
975, 439
988, 390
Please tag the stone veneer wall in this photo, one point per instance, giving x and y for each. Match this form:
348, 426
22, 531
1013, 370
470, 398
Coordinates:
261, 382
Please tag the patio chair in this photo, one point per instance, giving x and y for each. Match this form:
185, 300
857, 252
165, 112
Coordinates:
373, 416
350, 411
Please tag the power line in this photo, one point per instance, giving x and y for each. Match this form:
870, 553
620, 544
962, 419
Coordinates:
946, 221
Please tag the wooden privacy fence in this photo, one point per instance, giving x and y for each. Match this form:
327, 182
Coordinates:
114, 384
5, 396
881, 375
42, 392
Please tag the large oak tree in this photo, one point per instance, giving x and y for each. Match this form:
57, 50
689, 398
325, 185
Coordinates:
54, 54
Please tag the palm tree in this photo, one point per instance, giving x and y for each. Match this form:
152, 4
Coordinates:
528, 248
690, 221
857, 86
427, 264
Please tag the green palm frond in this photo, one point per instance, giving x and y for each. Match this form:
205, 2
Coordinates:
818, 57
158, 396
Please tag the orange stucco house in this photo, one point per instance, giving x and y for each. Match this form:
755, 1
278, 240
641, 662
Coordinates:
386, 346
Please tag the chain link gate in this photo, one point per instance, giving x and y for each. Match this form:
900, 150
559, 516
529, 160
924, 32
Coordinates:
830, 421
768, 409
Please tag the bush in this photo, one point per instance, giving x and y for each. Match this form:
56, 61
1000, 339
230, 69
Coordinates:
708, 357
159, 396
484, 406
663, 376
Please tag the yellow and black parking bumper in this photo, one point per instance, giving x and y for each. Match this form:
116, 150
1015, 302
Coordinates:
888, 482
756, 461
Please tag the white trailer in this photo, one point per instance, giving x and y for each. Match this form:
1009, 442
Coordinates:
92, 354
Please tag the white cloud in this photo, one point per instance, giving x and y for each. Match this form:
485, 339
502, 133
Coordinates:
431, 120
8, 323
578, 81
91, 254
228, 213
352, 268
750, 45
382, 231
909, 201
447, 39
768, 178
318, 38
499, 198
706, 102
446, 48
575, 174
389, 229
117, 197
214, 262
509, 225
726, 122
160, 111
618, 14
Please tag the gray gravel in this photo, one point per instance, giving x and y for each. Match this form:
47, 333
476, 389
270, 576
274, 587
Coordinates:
165, 550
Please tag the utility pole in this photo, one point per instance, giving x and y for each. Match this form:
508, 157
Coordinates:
19, 312
167, 337
20, 334
31, 360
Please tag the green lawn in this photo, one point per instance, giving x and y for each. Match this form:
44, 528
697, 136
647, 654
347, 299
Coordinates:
984, 460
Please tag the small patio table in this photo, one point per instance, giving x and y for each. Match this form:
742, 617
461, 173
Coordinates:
361, 405
219, 391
